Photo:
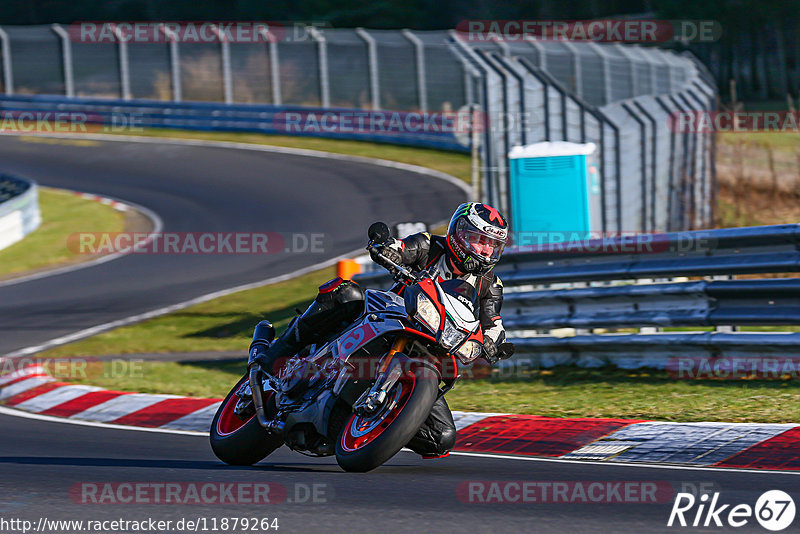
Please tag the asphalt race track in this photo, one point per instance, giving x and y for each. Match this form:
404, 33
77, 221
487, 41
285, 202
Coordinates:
200, 189
44, 465
41, 461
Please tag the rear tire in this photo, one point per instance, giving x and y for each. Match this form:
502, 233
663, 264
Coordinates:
238, 442
366, 443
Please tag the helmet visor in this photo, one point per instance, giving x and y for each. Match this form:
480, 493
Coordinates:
481, 244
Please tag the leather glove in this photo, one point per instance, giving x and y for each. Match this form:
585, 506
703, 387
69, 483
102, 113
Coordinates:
495, 353
388, 252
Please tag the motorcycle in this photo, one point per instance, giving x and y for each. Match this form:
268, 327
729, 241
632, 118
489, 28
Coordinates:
364, 393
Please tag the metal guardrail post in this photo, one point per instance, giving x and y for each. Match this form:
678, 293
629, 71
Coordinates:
124, 70
322, 54
372, 58
274, 64
8, 73
174, 63
422, 78
66, 58
225, 53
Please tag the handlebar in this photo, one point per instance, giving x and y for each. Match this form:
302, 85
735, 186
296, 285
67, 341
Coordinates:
401, 274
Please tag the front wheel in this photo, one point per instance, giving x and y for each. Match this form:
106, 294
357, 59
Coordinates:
241, 441
367, 442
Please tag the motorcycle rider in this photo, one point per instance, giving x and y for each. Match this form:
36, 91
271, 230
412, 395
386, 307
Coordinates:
476, 237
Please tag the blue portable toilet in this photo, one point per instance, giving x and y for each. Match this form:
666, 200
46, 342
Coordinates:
555, 192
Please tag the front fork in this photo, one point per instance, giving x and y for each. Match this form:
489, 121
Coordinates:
389, 372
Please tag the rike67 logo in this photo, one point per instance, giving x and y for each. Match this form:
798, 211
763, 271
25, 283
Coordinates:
774, 510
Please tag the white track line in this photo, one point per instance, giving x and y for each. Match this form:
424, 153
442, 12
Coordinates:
258, 148
51, 419
158, 226
91, 331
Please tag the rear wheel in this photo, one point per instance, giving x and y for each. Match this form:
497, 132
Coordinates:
241, 441
367, 442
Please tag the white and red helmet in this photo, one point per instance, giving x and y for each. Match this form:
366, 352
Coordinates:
476, 237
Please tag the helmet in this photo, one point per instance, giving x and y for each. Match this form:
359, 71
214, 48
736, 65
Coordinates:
476, 237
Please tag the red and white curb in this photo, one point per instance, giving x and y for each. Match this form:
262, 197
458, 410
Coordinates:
739, 445
116, 204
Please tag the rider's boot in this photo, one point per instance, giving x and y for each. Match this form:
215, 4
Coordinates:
437, 435
271, 355
338, 303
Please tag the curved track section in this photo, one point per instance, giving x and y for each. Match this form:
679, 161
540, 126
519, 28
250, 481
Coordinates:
200, 189
56, 470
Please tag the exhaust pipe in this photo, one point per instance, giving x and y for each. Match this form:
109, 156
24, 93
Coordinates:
258, 395
262, 337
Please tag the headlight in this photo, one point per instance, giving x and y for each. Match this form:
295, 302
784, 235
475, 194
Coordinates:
451, 335
469, 351
427, 312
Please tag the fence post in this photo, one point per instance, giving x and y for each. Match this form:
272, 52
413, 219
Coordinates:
322, 51
422, 78
124, 72
174, 63
632, 62
607, 96
66, 57
541, 51
576, 72
372, 56
8, 77
274, 65
225, 53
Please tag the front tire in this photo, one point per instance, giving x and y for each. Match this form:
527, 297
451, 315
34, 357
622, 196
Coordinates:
368, 442
238, 442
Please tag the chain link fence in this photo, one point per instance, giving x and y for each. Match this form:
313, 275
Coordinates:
617, 96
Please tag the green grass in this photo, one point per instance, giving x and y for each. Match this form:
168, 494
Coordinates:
223, 324
558, 392
453, 163
62, 214
781, 141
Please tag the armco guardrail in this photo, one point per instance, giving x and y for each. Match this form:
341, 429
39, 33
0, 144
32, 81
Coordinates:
700, 303
631, 351
404, 128
536, 300
19, 209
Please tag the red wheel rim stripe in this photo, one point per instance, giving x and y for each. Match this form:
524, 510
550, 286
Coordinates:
351, 443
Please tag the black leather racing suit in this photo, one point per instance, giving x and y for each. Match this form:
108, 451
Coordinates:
419, 251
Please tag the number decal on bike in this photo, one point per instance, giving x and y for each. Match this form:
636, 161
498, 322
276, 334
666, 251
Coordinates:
355, 339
